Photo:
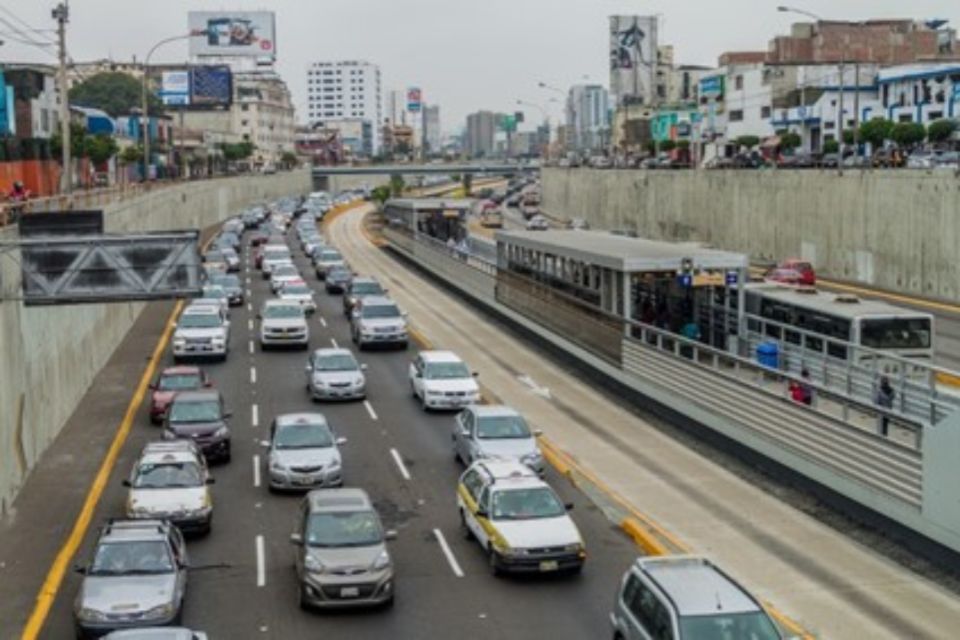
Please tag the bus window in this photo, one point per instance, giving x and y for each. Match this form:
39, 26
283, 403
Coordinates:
896, 333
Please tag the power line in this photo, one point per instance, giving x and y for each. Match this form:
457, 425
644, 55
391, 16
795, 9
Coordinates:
26, 25
24, 37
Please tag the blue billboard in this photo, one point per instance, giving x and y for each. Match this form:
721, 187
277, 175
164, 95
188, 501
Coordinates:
211, 86
7, 113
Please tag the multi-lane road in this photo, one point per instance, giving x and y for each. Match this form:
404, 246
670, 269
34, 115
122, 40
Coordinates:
403, 458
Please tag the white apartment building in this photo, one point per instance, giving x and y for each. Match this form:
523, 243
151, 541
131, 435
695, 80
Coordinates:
588, 108
345, 89
263, 114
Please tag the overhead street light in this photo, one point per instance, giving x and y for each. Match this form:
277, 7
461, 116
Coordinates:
802, 12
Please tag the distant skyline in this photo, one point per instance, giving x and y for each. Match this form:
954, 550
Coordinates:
465, 57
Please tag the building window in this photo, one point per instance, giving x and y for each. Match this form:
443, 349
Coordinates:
736, 116
830, 124
765, 112
905, 117
738, 83
935, 115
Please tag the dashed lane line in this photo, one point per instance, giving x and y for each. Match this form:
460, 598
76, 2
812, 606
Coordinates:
399, 461
448, 552
369, 407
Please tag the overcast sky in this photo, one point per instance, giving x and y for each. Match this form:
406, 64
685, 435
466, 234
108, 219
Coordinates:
482, 54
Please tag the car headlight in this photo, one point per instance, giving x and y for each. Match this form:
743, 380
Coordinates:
179, 342
91, 615
382, 561
573, 548
313, 565
334, 465
318, 381
502, 547
531, 458
359, 382
276, 465
222, 432
160, 611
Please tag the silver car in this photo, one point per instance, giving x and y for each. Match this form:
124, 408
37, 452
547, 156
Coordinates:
325, 259
495, 431
170, 481
157, 633
334, 374
304, 453
342, 558
136, 578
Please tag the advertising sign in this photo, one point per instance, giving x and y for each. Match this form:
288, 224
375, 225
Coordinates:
414, 100
249, 34
633, 58
175, 88
211, 86
711, 87
6, 113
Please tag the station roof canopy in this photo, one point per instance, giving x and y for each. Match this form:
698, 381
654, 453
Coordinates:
430, 204
622, 253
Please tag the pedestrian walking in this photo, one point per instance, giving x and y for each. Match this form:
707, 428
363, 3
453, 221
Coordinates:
806, 389
884, 399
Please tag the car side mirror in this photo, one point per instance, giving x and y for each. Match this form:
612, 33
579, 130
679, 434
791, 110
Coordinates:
476, 374
363, 367
211, 480
296, 539
265, 444
125, 483
341, 441
390, 534
568, 506
308, 368
537, 433
80, 569
482, 513
227, 414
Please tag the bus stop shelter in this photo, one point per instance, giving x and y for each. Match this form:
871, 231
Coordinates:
436, 218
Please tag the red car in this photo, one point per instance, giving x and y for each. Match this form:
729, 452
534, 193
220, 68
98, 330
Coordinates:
171, 381
808, 276
784, 276
258, 238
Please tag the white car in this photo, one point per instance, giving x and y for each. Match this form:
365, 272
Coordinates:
170, 481
203, 331
283, 323
273, 255
283, 273
326, 259
300, 292
441, 380
376, 320
537, 223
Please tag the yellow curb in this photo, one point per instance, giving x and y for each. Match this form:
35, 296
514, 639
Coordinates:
643, 538
787, 622
420, 339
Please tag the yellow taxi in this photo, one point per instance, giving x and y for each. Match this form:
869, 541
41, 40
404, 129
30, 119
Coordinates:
518, 519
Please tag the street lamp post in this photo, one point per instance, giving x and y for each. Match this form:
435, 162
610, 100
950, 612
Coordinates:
573, 111
546, 120
143, 101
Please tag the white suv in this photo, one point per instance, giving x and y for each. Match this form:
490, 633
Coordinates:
273, 255
283, 323
203, 331
378, 320
443, 381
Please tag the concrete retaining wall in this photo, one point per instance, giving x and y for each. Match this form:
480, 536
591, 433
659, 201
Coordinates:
50, 355
895, 230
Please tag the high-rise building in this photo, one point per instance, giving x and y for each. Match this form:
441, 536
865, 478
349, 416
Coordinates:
588, 117
345, 89
481, 128
432, 139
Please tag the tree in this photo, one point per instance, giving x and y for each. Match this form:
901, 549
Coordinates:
380, 194
396, 185
748, 142
876, 131
683, 145
467, 184
233, 152
831, 146
941, 130
849, 136
78, 136
132, 154
114, 92
100, 148
789, 140
289, 159
908, 134
668, 145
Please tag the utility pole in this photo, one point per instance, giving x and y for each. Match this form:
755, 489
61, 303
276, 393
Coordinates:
61, 14
856, 108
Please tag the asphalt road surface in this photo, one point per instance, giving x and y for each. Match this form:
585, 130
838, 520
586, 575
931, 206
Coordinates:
234, 592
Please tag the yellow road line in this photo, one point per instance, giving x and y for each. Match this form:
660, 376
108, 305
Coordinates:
420, 339
51, 585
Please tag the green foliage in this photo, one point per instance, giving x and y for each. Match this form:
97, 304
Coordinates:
99, 148
683, 145
239, 151
790, 140
380, 194
876, 131
908, 134
667, 145
132, 154
396, 185
941, 130
831, 146
114, 92
289, 159
849, 136
467, 184
747, 142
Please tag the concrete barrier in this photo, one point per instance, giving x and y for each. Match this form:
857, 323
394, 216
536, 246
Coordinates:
894, 230
49, 356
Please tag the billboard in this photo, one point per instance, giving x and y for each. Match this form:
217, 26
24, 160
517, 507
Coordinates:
633, 59
249, 34
414, 100
211, 86
175, 88
711, 87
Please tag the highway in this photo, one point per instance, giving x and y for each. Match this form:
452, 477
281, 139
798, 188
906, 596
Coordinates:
224, 597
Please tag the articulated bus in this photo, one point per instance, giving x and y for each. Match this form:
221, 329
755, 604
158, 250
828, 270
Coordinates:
821, 321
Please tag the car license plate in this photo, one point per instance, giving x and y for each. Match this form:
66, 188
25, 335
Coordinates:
549, 565
350, 592
304, 481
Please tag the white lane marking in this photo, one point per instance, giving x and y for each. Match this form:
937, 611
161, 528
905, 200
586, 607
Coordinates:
454, 565
373, 414
400, 465
248, 282
253, 375
256, 470
254, 415
248, 293
250, 325
249, 306
543, 392
323, 322
261, 564
333, 341
250, 344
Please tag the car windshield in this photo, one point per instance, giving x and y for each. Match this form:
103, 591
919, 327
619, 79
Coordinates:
227, 280
896, 333
180, 382
347, 529
330, 256
526, 504
199, 320
285, 270
381, 311
297, 289
195, 411
214, 292
339, 274
130, 558
283, 311
309, 435
445, 371
277, 254
214, 256
335, 362
736, 626
168, 475
498, 427
366, 288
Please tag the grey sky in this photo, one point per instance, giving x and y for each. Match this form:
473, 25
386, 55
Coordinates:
464, 55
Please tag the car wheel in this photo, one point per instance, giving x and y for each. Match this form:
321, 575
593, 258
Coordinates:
423, 403
492, 562
388, 604
464, 529
302, 598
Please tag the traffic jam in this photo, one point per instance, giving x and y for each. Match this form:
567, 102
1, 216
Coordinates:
136, 580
